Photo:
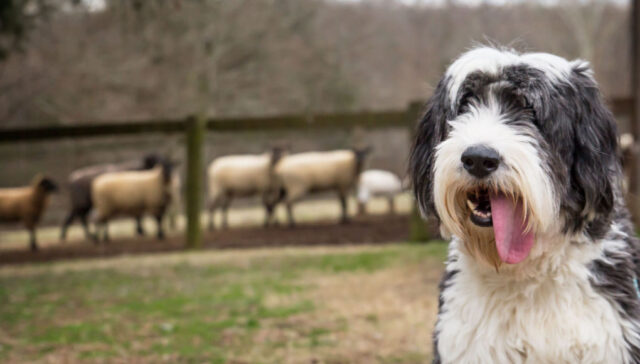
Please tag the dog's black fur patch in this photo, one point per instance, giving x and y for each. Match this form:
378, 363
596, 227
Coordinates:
576, 139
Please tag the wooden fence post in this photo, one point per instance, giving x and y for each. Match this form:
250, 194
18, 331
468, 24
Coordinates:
195, 133
419, 230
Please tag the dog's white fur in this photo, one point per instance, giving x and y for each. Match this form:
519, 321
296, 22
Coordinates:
526, 174
544, 309
491, 60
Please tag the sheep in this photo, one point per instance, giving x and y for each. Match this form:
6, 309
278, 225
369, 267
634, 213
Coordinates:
79, 184
376, 182
26, 204
132, 193
300, 174
242, 176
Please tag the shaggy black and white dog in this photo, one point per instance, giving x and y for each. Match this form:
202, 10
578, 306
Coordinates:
517, 157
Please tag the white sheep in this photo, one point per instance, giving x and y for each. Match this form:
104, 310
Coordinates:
378, 183
242, 176
132, 193
303, 173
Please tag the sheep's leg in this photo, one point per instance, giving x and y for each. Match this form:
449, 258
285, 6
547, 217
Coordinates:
65, 225
139, 228
343, 205
392, 207
159, 223
268, 214
212, 211
225, 212
32, 239
105, 232
85, 226
362, 208
269, 208
292, 223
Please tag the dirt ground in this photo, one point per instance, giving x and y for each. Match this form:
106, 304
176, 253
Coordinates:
365, 230
315, 304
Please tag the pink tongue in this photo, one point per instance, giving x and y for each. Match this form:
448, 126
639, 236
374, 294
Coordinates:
509, 225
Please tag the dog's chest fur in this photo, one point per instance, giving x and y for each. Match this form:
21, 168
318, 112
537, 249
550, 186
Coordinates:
553, 317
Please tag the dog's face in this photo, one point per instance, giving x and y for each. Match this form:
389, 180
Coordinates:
515, 146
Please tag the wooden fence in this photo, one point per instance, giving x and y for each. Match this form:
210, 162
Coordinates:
195, 127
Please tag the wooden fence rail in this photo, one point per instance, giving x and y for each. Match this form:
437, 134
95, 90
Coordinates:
195, 127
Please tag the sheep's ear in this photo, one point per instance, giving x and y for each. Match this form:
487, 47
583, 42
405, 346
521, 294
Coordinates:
366, 150
595, 166
361, 153
429, 132
281, 147
150, 160
277, 153
37, 179
48, 184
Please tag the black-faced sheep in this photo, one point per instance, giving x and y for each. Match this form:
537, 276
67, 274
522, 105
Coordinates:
242, 176
26, 204
132, 193
378, 183
80, 190
303, 173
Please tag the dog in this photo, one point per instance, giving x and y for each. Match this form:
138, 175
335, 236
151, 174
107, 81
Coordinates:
517, 157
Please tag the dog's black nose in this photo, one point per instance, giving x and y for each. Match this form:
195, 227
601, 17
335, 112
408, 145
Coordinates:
480, 160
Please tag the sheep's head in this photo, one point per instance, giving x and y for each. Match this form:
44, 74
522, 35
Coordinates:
151, 160
278, 152
361, 154
47, 184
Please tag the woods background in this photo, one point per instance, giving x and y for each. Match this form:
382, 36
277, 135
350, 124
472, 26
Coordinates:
122, 59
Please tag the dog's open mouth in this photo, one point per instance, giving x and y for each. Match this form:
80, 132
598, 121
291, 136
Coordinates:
507, 216
480, 205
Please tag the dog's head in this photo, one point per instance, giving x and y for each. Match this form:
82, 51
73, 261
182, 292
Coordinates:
514, 146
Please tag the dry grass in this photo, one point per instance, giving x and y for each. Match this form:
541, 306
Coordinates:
364, 304
365, 318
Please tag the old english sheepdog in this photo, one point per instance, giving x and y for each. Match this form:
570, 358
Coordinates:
517, 157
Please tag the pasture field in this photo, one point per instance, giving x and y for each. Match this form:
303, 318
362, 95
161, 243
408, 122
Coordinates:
341, 304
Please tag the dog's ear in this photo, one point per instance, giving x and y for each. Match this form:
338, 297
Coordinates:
430, 131
595, 167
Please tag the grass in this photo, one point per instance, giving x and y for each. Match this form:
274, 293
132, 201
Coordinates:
350, 304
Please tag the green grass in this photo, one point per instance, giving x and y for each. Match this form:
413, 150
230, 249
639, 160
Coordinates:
187, 312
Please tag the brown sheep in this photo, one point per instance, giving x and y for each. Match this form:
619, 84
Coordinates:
26, 204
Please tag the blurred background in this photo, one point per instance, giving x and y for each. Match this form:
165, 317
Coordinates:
95, 82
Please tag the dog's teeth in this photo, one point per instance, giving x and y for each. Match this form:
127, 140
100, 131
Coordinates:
471, 205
